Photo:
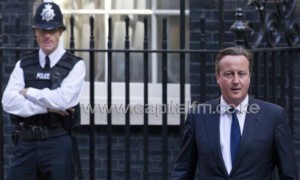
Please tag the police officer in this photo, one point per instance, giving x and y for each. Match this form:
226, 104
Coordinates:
41, 96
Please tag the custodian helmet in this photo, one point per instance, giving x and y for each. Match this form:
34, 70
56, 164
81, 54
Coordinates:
48, 16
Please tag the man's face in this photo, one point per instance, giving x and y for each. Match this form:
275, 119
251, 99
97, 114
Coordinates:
234, 78
48, 39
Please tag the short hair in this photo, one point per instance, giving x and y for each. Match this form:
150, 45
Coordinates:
233, 51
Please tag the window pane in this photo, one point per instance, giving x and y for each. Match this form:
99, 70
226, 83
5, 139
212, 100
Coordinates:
82, 40
136, 39
130, 4
171, 4
173, 42
82, 4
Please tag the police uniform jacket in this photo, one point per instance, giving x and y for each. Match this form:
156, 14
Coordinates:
38, 100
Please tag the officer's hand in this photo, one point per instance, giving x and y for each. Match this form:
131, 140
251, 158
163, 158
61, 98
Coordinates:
23, 92
63, 113
71, 110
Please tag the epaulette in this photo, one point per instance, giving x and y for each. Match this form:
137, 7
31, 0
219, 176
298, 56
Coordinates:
29, 58
30, 54
68, 60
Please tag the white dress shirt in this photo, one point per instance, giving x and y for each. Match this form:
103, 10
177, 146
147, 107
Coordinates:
38, 100
225, 127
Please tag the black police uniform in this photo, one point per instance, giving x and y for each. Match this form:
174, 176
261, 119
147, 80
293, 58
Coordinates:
43, 142
37, 134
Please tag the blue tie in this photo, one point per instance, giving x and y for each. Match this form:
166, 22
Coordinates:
235, 135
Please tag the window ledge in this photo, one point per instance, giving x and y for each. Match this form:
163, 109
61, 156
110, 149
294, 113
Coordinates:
136, 108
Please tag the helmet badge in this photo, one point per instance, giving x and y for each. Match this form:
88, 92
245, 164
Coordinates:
47, 13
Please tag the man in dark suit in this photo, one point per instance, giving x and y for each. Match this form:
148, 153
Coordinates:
235, 136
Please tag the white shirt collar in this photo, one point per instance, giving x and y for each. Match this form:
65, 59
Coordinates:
241, 108
54, 56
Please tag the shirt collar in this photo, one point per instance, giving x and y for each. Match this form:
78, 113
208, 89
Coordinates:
54, 56
241, 108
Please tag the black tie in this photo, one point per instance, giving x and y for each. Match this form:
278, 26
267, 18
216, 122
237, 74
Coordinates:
47, 63
235, 135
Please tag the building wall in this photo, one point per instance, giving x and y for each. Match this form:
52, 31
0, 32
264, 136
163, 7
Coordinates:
199, 8
9, 11
23, 9
136, 151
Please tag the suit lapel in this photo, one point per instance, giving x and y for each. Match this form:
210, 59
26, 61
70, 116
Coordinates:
212, 121
250, 128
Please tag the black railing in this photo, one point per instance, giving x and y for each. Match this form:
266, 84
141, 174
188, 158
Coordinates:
146, 101
273, 80
127, 101
109, 99
92, 100
1, 109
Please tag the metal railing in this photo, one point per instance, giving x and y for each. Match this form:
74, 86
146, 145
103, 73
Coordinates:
272, 80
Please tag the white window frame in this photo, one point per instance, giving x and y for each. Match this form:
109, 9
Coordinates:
136, 89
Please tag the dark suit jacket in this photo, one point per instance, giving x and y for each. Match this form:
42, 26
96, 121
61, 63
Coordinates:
266, 142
